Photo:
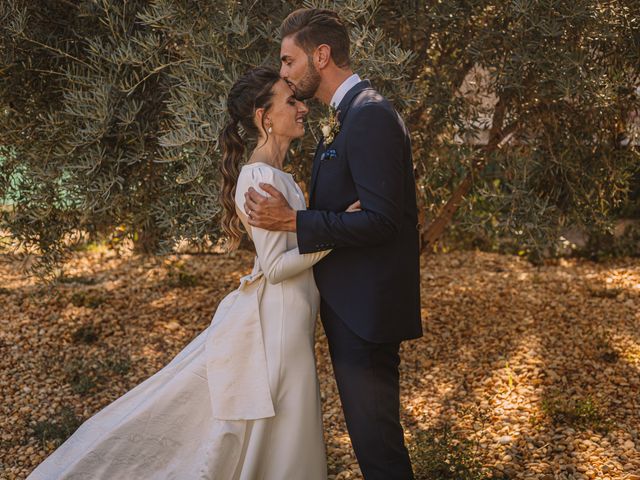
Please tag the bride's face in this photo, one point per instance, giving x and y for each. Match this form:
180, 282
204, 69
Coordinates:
286, 115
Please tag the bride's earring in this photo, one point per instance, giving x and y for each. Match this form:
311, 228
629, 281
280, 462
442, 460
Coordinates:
269, 129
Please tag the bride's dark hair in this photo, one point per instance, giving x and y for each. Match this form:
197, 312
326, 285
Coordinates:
251, 91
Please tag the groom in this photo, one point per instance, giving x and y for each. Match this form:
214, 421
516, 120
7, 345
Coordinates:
370, 283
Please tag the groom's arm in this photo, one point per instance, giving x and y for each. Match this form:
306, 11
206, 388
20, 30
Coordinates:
375, 154
375, 151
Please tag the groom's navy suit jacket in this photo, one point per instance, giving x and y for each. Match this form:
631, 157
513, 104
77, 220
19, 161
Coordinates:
371, 279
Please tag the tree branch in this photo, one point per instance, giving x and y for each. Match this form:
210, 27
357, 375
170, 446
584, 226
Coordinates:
498, 137
53, 49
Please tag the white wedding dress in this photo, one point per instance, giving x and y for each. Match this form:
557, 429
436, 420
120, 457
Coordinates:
241, 401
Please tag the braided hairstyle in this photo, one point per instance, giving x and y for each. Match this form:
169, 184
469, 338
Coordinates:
251, 91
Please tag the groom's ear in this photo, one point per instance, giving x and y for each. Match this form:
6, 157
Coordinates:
322, 56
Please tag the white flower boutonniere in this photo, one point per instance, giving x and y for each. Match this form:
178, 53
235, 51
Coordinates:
330, 126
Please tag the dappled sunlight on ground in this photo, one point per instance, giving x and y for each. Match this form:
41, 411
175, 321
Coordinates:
538, 367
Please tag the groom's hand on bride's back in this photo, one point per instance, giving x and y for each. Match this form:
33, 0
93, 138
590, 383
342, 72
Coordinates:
271, 212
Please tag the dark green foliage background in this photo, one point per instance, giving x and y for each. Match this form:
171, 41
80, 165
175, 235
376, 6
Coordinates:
110, 111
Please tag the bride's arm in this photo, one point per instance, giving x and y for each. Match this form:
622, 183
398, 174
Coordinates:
277, 262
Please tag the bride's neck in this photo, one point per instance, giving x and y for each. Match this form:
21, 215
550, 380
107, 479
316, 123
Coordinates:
272, 152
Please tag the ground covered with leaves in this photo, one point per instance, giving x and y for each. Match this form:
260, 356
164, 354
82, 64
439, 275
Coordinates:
524, 372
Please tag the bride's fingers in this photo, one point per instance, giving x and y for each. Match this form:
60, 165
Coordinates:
354, 207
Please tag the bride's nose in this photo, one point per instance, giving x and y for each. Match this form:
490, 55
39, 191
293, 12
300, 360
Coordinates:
302, 108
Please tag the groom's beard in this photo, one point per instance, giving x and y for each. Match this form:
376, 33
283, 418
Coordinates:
308, 85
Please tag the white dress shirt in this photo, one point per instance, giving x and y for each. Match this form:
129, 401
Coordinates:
344, 87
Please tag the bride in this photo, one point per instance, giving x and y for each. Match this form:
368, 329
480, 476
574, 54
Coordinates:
241, 401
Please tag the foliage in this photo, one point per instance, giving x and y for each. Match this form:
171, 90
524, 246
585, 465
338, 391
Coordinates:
605, 244
82, 376
77, 279
86, 374
86, 334
562, 77
576, 412
87, 298
59, 429
110, 111
179, 277
442, 454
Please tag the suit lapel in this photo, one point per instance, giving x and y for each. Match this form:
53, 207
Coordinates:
314, 173
343, 107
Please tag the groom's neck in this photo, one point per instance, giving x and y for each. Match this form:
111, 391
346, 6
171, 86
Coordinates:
331, 80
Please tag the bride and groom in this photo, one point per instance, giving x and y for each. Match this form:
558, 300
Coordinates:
241, 401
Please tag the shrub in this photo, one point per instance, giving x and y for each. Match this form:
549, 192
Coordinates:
441, 454
58, 429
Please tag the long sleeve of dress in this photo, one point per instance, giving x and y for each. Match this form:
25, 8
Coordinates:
277, 261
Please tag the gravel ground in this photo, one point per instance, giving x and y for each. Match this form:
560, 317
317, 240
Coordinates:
538, 366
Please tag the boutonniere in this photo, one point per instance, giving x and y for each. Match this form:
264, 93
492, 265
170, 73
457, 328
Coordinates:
330, 126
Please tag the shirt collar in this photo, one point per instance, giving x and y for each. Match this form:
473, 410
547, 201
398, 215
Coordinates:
342, 90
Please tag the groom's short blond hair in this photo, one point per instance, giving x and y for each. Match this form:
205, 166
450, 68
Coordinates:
311, 27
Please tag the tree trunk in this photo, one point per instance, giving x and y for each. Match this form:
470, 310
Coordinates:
497, 139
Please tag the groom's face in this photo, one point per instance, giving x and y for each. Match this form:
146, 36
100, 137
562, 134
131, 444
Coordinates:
297, 69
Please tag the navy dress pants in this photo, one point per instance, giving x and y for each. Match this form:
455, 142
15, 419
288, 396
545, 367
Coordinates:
368, 384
